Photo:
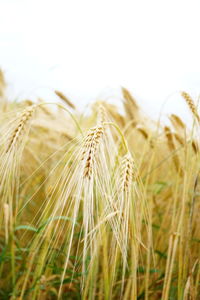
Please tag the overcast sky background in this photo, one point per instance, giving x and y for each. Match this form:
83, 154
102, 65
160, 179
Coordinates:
89, 48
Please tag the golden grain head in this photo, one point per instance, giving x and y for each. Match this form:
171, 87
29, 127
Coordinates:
195, 146
177, 122
91, 144
101, 114
179, 139
2, 84
75, 206
191, 105
25, 117
143, 131
129, 98
127, 172
171, 145
170, 138
65, 99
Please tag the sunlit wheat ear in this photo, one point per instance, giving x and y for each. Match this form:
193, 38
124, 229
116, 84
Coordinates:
129, 98
2, 84
177, 122
112, 112
130, 105
15, 137
127, 171
45, 109
89, 178
65, 99
91, 144
195, 147
122, 201
191, 105
172, 148
124, 228
125, 189
101, 114
143, 131
3, 98
27, 102
179, 139
10, 153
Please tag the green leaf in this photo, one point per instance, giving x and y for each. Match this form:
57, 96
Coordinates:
3, 255
161, 254
53, 219
155, 226
37, 230
158, 187
196, 240
141, 269
26, 227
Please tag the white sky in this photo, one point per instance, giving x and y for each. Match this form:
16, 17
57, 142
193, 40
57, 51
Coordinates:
89, 48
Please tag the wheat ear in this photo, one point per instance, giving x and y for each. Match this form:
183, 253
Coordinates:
172, 148
177, 122
191, 105
91, 144
142, 131
2, 84
195, 146
65, 99
129, 98
127, 172
101, 114
25, 117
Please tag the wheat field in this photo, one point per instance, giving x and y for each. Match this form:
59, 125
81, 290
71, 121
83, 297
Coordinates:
103, 204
